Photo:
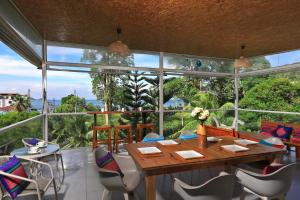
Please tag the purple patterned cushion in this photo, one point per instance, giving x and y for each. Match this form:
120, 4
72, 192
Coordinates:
32, 141
108, 162
283, 132
12, 185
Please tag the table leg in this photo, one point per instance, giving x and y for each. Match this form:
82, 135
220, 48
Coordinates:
297, 152
150, 188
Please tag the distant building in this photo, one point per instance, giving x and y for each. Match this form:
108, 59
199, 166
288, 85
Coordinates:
6, 109
7, 99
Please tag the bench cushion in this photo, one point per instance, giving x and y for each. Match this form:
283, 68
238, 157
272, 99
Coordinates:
296, 139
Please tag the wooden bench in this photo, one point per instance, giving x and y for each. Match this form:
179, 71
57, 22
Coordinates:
258, 137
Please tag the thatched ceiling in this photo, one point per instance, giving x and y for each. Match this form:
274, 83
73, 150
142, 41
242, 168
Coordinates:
197, 27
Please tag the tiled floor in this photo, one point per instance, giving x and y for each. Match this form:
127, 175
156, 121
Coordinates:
82, 181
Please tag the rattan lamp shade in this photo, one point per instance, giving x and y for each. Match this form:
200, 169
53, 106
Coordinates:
242, 62
119, 48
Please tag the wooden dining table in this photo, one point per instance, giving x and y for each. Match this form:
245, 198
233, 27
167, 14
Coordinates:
168, 161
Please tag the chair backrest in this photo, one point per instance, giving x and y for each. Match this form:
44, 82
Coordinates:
109, 179
152, 135
218, 188
272, 184
26, 144
216, 131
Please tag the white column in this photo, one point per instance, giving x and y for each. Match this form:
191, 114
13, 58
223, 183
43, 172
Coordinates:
44, 92
161, 94
236, 102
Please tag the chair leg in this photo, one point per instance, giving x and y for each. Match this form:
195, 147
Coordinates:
54, 187
109, 141
243, 195
116, 141
63, 167
126, 196
106, 194
94, 139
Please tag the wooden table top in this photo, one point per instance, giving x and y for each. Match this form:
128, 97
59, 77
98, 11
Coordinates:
169, 162
118, 112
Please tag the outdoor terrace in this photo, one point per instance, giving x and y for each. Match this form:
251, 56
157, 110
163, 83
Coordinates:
188, 52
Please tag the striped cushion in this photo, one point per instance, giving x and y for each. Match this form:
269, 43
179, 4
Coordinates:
13, 186
108, 162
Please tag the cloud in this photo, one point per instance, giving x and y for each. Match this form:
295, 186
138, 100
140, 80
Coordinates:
19, 76
12, 66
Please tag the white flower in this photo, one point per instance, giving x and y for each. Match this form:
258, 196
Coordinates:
197, 109
193, 114
206, 113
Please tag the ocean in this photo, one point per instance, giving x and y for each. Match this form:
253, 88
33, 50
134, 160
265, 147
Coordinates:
38, 104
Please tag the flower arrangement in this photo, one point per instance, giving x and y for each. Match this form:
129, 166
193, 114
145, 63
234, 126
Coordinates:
200, 114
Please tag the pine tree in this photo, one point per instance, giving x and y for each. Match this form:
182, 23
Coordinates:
135, 92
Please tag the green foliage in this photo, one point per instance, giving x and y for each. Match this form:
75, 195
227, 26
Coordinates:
277, 94
14, 117
181, 88
205, 100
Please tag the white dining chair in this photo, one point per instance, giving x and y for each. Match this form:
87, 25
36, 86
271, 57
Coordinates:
112, 180
217, 188
271, 186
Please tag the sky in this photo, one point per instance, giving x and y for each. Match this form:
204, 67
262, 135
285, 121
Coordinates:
18, 75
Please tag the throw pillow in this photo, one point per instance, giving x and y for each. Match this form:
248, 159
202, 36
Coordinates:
32, 141
12, 185
283, 132
108, 162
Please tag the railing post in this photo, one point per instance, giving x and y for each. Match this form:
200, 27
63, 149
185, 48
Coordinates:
44, 92
236, 102
161, 93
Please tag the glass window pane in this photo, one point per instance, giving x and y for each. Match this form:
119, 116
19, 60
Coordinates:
205, 64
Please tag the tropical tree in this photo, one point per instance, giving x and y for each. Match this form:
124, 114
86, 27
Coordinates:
134, 93
71, 131
21, 103
106, 84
